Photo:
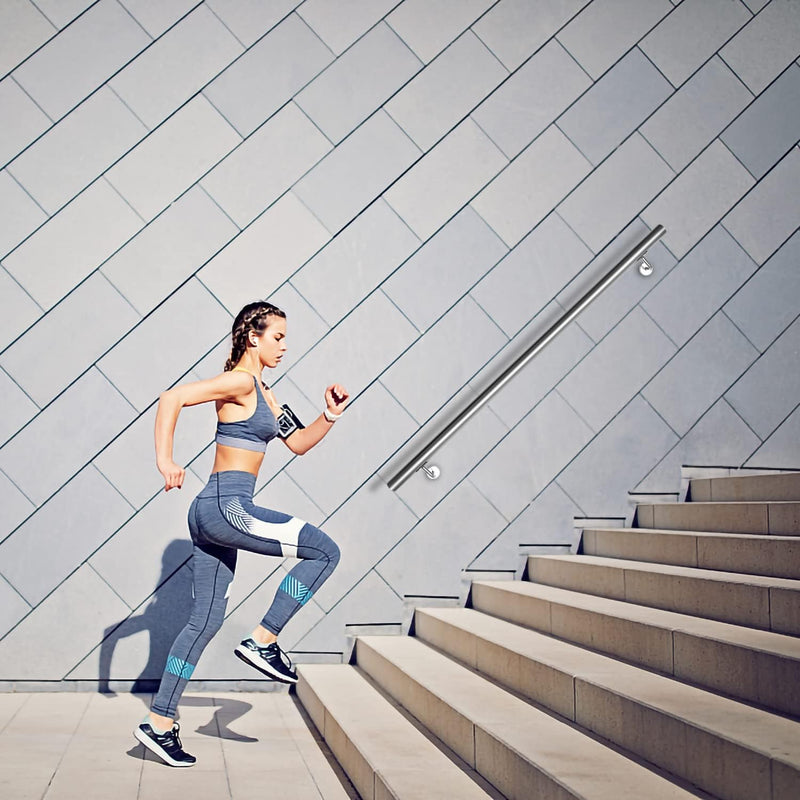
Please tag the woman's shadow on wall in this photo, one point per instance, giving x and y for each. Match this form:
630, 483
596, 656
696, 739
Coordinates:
163, 619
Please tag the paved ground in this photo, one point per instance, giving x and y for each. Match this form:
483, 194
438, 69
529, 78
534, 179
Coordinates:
80, 747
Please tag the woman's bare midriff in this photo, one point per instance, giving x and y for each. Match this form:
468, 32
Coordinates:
234, 458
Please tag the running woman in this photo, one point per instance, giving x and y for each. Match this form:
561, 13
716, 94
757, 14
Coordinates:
223, 518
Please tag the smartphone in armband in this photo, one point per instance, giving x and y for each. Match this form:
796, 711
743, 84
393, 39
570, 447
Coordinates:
288, 422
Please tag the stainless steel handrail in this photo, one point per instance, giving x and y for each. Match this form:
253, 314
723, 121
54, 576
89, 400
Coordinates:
397, 480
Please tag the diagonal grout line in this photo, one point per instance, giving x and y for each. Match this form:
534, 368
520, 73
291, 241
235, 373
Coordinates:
12, 379
50, 39
115, 627
157, 39
5, 581
29, 195
125, 103
400, 311
197, 182
380, 578
492, 505
30, 500
771, 434
679, 438
722, 311
204, 86
172, 114
747, 425
108, 79
572, 500
35, 4
742, 247
502, 438
150, 131
574, 410
410, 167
502, 82
655, 322
365, 389
739, 160
658, 69
113, 591
35, 103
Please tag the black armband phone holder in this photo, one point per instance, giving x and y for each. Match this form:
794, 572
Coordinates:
288, 422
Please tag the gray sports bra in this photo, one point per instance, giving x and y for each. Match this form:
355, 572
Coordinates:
252, 433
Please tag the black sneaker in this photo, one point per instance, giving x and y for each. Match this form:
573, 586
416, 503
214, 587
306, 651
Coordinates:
269, 659
167, 746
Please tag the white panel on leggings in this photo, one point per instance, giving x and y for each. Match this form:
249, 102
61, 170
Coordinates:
285, 533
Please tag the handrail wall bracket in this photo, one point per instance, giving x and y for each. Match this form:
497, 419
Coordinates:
419, 461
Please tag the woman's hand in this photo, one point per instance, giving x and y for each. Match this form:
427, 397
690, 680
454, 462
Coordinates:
173, 475
336, 398
300, 442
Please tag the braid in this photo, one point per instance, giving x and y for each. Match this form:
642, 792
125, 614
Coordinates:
253, 317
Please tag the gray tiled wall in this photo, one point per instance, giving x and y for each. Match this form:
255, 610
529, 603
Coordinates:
424, 186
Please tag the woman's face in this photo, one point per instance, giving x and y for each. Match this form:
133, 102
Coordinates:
272, 342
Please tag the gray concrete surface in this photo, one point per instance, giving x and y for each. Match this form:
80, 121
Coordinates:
65, 746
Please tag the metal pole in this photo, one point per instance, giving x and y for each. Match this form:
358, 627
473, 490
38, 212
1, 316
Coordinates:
397, 480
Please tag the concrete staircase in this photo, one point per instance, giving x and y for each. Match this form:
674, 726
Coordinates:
662, 662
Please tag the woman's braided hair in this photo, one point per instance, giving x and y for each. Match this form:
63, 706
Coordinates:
253, 317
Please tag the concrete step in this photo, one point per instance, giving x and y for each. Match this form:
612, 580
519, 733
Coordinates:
781, 518
752, 600
757, 666
773, 486
383, 754
660, 719
522, 751
775, 556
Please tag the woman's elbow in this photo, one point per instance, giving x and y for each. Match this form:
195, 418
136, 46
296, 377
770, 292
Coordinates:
169, 398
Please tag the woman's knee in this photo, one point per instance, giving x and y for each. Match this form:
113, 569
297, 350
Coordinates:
206, 620
329, 548
315, 544
334, 553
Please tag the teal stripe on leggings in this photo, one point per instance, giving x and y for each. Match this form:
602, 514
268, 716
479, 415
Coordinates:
296, 589
180, 668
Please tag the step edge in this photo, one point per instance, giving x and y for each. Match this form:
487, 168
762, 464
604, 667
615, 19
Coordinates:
587, 677
499, 731
762, 581
427, 750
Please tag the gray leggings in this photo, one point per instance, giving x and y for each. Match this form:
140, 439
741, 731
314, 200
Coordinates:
222, 520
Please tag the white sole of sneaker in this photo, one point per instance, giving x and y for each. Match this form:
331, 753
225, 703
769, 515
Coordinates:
262, 666
154, 748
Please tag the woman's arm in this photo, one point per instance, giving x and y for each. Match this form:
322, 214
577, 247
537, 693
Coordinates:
300, 442
227, 386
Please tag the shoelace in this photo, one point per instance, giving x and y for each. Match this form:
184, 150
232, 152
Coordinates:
285, 658
175, 737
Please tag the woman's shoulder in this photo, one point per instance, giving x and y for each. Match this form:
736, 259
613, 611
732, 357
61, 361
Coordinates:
227, 385
239, 379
